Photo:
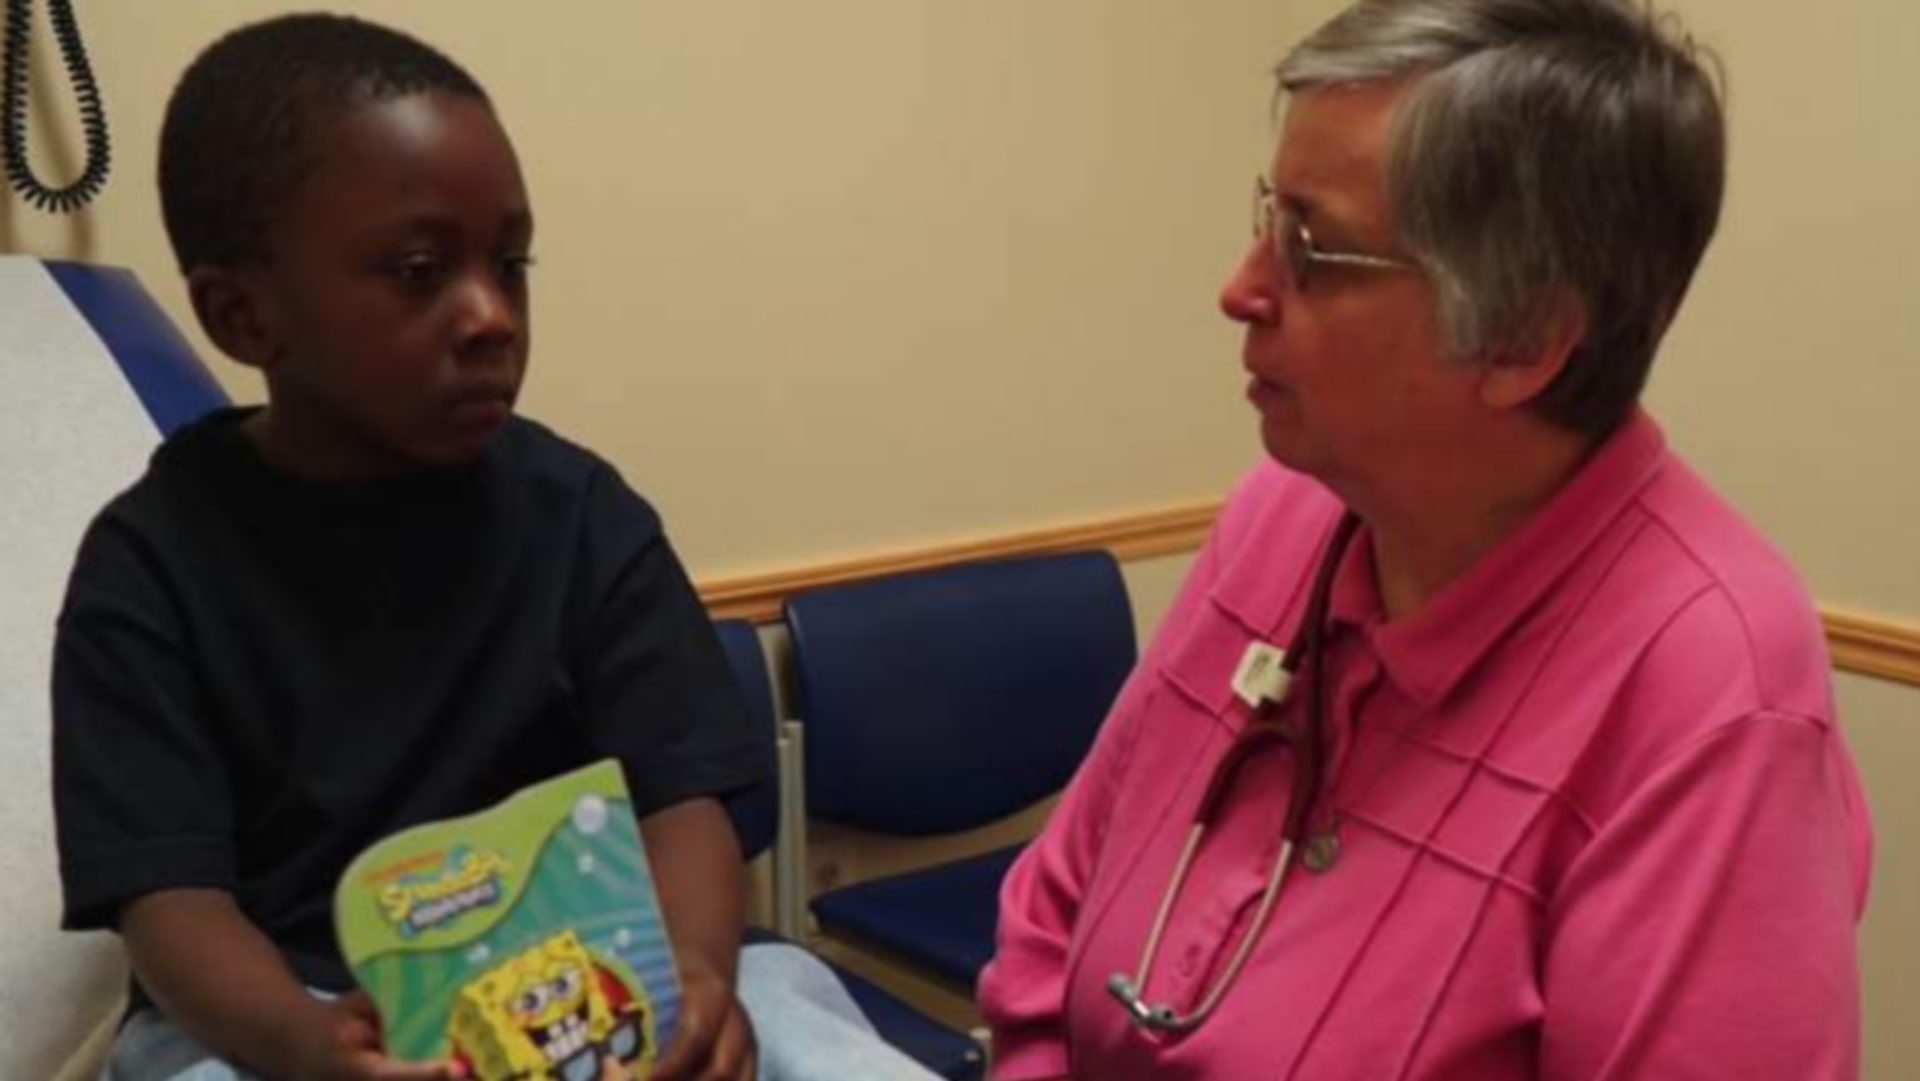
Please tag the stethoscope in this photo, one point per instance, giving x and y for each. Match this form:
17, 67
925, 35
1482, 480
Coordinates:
1269, 690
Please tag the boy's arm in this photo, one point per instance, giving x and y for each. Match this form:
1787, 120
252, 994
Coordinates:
145, 821
224, 984
698, 870
657, 694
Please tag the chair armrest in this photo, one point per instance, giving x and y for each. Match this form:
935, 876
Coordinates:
790, 843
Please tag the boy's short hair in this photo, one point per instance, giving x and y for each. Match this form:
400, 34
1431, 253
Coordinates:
241, 120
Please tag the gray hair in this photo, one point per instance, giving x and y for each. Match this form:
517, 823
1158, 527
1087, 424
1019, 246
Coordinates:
1545, 148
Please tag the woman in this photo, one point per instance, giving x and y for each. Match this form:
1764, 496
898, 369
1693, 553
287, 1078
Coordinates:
1549, 784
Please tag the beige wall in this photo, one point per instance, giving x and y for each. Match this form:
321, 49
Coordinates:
841, 276
981, 238
1881, 721
985, 237
1792, 375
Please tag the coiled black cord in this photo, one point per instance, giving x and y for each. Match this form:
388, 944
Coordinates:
93, 115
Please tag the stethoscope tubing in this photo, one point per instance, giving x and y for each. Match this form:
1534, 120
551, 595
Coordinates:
1262, 729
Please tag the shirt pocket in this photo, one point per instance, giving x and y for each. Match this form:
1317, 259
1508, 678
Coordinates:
1186, 720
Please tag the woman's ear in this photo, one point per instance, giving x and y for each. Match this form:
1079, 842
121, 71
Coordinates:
235, 313
1517, 374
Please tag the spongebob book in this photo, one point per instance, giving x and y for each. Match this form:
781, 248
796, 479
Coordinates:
524, 942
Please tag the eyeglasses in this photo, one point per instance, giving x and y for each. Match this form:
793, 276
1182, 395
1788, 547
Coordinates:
1293, 241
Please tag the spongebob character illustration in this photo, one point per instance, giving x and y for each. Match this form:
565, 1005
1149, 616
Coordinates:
550, 1013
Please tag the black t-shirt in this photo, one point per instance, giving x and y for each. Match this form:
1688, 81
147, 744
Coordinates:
255, 677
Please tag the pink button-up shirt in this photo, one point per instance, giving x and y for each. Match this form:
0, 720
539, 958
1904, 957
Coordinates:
1596, 818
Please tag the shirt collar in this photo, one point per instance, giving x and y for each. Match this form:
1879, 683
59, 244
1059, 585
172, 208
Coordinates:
1428, 653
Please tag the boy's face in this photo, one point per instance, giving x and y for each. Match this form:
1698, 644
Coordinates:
392, 307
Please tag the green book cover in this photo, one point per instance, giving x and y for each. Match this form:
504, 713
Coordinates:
525, 940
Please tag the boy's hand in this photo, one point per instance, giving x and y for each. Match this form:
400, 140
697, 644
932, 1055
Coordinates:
224, 983
703, 895
340, 1041
715, 1040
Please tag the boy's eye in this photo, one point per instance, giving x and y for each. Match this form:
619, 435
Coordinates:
515, 267
418, 269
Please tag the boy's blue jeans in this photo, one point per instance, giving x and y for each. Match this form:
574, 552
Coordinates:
807, 1026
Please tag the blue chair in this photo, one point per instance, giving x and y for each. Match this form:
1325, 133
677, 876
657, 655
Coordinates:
93, 375
944, 700
173, 386
756, 816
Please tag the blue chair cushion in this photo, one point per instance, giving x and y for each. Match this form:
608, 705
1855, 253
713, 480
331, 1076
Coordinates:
940, 919
953, 1055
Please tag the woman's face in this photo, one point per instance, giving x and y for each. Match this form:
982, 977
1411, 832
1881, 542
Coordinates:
1350, 373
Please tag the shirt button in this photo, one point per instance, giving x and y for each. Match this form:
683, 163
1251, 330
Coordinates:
1322, 852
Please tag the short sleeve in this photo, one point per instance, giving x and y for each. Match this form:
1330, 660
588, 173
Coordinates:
1708, 930
656, 688
140, 784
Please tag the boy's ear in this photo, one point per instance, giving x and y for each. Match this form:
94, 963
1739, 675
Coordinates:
235, 313
1516, 375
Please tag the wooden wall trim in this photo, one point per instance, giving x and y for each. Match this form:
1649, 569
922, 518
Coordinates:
1161, 532
1868, 645
1873, 646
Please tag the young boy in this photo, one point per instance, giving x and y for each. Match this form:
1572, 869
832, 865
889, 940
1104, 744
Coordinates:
379, 599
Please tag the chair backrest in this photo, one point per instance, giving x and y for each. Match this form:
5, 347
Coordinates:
92, 375
755, 812
161, 368
942, 700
